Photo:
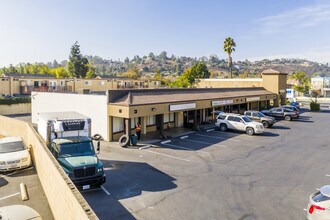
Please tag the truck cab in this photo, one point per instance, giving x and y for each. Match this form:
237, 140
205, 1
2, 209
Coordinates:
78, 159
68, 137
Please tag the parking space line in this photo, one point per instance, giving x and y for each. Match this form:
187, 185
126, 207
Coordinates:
166, 155
186, 148
104, 190
222, 138
202, 142
6, 197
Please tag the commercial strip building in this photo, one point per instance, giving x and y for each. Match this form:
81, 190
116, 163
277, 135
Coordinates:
24, 84
117, 112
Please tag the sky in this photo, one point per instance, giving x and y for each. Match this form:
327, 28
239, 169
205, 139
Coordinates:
41, 31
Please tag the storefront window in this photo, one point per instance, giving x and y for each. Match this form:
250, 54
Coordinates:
168, 117
118, 124
151, 120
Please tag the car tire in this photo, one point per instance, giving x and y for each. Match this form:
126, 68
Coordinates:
249, 131
123, 140
287, 118
266, 124
223, 127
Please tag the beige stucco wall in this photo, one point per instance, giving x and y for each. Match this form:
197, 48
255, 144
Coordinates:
65, 200
4, 86
229, 83
23, 108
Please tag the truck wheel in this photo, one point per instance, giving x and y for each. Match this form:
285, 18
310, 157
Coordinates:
223, 127
266, 124
287, 118
249, 131
123, 140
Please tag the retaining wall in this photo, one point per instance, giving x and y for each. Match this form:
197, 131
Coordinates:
23, 108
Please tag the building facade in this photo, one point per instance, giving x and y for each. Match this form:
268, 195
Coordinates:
24, 84
322, 84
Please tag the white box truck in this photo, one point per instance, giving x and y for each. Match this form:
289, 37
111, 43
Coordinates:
68, 137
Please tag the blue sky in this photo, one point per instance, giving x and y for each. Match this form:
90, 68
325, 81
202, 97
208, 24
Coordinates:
41, 31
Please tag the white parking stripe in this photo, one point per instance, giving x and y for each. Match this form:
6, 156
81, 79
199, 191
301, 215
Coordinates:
104, 190
6, 197
202, 142
186, 148
166, 155
222, 138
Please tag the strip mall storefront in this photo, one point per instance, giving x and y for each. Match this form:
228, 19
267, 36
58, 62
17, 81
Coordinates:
168, 108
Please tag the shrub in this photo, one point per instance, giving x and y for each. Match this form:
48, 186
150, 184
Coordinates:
14, 101
315, 106
287, 102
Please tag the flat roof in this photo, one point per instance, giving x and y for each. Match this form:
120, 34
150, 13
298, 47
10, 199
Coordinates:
160, 96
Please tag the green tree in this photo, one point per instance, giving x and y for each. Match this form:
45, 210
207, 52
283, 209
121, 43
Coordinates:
91, 73
77, 65
303, 81
229, 47
197, 71
133, 73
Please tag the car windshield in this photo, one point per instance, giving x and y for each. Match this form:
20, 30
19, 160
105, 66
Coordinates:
11, 147
76, 149
246, 119
261, 114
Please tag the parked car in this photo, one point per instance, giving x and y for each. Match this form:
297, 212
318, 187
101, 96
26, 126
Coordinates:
281, 113
292, 108
18, 212
295, 104
257, 116
13, 154
319, 204
238, 122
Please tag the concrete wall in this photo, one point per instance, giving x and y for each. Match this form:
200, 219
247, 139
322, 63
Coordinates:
93, 106
229, 83
23, 108
65, 200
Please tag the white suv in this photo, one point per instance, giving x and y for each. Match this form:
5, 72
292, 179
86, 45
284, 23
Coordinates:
238, 122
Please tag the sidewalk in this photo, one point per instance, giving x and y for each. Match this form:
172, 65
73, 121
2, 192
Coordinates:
154, 136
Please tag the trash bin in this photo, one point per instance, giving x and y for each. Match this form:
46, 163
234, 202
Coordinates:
134, 140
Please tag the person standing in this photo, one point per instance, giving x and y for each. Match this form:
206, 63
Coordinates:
138, 130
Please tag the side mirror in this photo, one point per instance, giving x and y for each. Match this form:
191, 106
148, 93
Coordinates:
29, 148
98, 147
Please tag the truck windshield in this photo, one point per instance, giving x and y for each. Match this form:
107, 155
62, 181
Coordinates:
76, 149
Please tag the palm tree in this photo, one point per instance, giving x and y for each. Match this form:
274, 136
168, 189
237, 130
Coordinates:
229, 46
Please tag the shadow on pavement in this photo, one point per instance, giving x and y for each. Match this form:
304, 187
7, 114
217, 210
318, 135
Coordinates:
280, 127
125, 180
3, 182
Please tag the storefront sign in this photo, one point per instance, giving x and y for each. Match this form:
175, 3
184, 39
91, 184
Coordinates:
222, 102
182, 107
250, 99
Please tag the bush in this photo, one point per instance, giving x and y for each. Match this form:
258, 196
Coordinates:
287, 102
315, 106
14, 101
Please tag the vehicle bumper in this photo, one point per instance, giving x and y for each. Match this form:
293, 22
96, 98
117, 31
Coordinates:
258, 130
92, 182
16, 166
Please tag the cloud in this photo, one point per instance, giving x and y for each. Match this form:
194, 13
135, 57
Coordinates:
306, 16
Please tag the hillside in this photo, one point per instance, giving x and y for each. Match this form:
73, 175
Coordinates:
176, 65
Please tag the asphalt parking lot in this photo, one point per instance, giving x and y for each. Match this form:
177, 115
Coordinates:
216, 175
10, 191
